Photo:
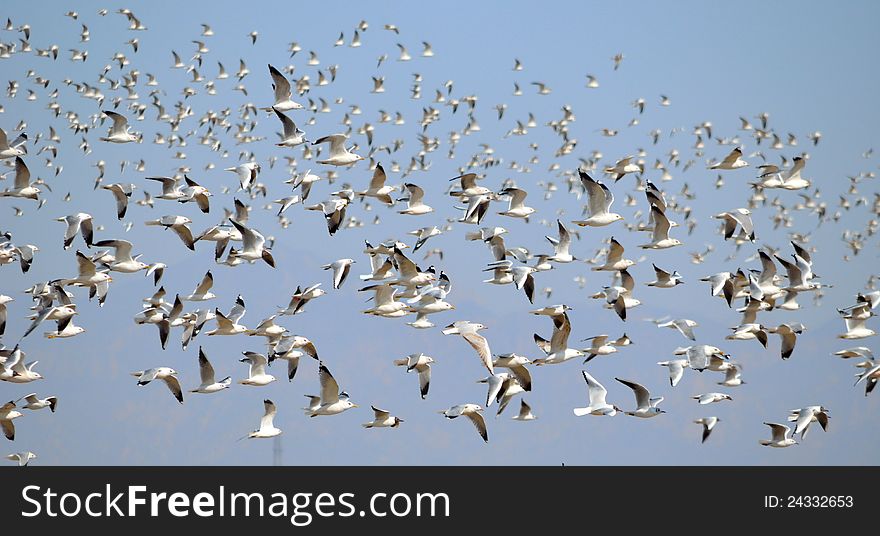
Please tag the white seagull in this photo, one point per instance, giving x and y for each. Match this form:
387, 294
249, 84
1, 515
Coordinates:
247, 174
22, 458
8, 413
339, 154
561, 245
599, 346
206, 372
685, 326
660, 235
331, 401
292, 135
676, 369
525, 412
472, 412
253, 246
121, 194
788, 333
385, 303
517, 366
21, 185
257, 375
421, 363
229, 325
556, 348
340, 268
35, 403
282, 92
203, 291
178, 224
267, 425
708, 424
781, 436
614, 260
732, 161
597, 393
665, 279
415, 204
378, 189
708, 398
119, 131
11, 150
122, 259
166, 374
468, 331
807, 415
383, 419
517, 207
502, 388
622, 167
284, 350
301, 297
856, 329
599, 204
646, 407
738, 217
76, 223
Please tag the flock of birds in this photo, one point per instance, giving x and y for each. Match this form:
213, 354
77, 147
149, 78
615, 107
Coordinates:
398, 286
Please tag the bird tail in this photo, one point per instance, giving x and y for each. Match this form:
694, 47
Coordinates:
580, 412
764, 442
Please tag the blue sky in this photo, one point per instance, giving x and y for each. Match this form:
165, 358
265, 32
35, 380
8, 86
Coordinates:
808, 65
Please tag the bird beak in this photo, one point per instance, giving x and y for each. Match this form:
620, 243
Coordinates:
355, 406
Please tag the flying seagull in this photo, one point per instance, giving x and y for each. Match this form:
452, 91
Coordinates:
166, 374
